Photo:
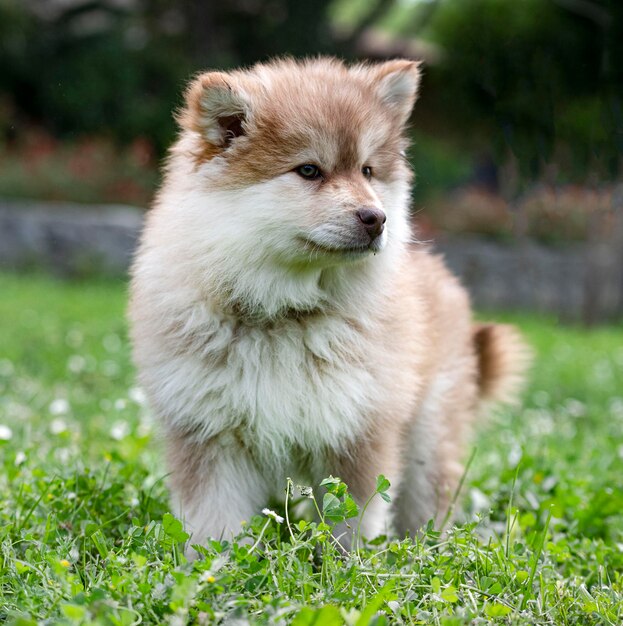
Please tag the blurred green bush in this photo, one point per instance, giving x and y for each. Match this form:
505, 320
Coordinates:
90, 68
97, 66
539, 81
517, 93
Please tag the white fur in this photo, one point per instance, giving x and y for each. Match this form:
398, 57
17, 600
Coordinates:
241, 244
398, 90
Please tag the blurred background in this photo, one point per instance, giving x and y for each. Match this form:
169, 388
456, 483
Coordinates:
517, 136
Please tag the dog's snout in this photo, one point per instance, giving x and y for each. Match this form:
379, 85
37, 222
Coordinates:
373, 220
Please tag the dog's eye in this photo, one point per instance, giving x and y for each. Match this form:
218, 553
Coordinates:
366, 170
308, 171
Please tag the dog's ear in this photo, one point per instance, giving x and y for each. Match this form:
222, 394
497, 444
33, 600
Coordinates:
216, 107
397, 84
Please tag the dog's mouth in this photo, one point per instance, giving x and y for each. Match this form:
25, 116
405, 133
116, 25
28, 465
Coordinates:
342, 249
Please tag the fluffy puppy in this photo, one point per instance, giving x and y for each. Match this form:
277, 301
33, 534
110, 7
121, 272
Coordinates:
283, 323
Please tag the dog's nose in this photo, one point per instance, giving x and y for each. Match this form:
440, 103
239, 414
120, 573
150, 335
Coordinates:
373, 220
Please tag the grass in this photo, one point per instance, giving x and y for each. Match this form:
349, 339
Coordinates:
86, 537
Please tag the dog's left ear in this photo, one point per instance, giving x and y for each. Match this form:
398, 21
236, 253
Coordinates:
397, 84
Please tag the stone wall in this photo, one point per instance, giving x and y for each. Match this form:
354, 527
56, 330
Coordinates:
581, 281
68, 239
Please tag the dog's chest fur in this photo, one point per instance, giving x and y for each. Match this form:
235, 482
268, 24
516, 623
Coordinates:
306, 383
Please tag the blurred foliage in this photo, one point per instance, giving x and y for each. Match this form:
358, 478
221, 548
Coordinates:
90, 169
551, 215
86, 66
82, 68
438, 165
539, 79
532, 86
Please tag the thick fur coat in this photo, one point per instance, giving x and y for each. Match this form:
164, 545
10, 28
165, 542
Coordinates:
283, 321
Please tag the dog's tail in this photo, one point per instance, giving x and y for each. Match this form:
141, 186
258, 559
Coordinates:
503, 360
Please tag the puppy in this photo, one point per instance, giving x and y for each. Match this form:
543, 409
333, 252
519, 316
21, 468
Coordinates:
283, 322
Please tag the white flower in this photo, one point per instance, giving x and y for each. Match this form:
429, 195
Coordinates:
62, 455
181, 618
480, 502
158, 591
5, 433
20, 458
616, 407
136, 394
575, 408
59, 406
58, 426
76, 363
119, 430
274, 515
144, 428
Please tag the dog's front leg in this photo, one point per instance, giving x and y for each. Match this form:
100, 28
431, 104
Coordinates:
359, 467
215, 485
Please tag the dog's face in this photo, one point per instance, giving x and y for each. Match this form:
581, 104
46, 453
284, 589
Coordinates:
305, 160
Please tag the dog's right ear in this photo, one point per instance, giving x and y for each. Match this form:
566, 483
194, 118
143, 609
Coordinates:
216, 108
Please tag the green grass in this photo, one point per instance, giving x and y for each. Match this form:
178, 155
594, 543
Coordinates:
86, 537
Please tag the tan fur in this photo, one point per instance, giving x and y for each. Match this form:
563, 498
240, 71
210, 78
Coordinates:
328, 101
503, 358
272, 344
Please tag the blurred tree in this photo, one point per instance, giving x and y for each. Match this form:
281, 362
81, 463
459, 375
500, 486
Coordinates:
105, 66
245, 31
89, 67
540, 80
